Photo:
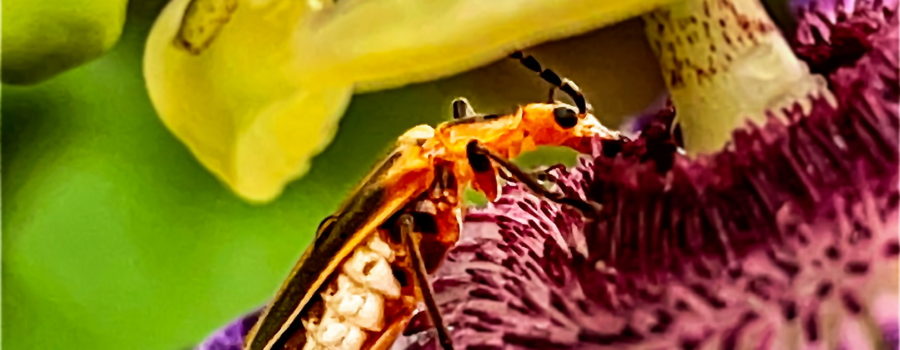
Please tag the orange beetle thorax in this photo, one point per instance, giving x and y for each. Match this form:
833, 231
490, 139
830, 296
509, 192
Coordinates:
543, 128
509, 136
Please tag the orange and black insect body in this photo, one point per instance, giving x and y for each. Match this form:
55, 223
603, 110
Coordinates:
363, 277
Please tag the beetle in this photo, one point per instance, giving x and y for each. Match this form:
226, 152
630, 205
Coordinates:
361, 280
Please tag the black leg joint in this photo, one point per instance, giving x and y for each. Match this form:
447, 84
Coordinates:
477, 160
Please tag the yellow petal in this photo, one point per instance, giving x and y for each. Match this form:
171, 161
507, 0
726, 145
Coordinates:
255, 87
237, 103
387, 43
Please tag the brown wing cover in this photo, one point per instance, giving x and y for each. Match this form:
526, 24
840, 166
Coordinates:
401, 176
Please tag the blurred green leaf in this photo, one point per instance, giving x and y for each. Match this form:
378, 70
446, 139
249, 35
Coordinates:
43, 38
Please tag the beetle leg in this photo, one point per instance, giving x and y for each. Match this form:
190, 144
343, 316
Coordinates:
410, 238
588, 208
540, 174
461, 108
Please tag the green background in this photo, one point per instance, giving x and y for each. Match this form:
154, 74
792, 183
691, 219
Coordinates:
115, 237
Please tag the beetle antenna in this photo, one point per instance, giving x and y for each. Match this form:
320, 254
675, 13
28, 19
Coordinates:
551, 77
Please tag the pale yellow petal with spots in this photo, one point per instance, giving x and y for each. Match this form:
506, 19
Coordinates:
255, 88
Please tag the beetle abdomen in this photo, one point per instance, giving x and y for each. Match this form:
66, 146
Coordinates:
352, 308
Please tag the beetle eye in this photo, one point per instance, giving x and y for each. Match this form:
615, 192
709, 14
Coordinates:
565, 117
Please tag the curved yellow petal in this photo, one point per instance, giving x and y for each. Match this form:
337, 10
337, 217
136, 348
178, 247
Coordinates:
238, 104
255, 87
386, 43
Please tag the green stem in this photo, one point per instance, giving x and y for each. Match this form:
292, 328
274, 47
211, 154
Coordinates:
725, 63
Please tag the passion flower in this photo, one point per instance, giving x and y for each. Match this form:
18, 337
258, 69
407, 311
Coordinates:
232, 336
745, 249
780, 234
786, 238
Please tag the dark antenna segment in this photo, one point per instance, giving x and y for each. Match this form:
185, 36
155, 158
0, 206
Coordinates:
551, 77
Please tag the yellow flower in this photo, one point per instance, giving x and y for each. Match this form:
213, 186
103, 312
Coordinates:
255, 88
